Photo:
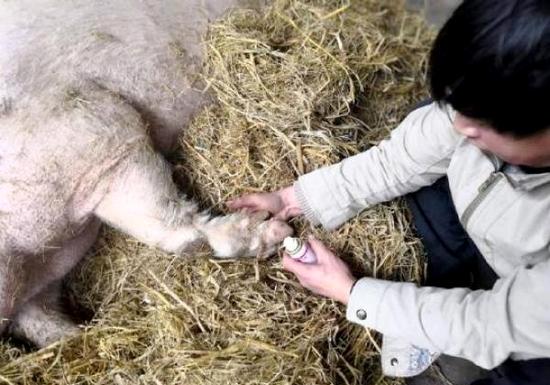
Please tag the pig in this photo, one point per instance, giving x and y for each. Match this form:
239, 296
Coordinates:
93, 95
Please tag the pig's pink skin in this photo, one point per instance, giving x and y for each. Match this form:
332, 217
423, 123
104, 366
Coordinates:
91, 94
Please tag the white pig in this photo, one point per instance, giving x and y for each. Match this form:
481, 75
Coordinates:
91, 93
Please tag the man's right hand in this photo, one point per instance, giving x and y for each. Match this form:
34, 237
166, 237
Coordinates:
282, 204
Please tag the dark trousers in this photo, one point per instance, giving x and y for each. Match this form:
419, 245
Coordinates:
454, 261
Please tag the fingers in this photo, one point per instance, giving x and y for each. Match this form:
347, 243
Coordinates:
287, 213
295, 267
320, 250
283, 215
251, 201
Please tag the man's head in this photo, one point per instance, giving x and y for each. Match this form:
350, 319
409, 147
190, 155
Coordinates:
491, 63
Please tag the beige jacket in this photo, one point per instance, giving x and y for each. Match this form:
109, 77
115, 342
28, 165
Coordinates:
506, 213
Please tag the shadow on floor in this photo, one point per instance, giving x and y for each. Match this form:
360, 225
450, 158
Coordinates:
449, 371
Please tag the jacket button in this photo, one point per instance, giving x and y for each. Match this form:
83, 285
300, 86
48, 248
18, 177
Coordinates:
394, 361
361, 314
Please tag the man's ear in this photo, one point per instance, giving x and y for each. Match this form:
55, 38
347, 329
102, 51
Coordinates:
470, 128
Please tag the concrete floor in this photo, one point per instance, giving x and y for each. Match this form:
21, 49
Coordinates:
436, 11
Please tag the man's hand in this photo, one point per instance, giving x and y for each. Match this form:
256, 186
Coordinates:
329, 277
282, 204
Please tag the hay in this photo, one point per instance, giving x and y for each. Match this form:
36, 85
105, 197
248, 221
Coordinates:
301, 86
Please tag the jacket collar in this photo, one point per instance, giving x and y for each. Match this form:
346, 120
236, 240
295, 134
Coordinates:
525, 181
519, 178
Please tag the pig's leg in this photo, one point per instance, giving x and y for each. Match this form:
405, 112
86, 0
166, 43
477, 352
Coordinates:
143, 201
41, 320
11, 287
38, 316
42, 271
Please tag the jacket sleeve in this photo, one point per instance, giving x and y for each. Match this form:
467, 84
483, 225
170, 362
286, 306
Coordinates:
485, 326
417, 153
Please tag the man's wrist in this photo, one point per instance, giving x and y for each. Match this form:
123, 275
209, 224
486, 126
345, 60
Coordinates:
348, 288
353, 285
290, 202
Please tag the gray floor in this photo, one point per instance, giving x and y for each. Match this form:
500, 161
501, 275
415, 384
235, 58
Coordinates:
436, 11
448, 370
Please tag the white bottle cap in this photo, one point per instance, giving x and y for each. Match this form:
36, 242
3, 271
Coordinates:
292, 245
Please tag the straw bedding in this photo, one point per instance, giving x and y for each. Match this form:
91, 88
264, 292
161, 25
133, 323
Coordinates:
297, 86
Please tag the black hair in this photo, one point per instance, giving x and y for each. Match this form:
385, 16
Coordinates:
491, 62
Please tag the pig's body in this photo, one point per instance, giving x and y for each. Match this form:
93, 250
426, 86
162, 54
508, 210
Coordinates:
88, 91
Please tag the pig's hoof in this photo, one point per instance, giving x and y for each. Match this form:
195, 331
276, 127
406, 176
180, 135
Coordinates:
43, 327
245, 235
272, 233
66, 330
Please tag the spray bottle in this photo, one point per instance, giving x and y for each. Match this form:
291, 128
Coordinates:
299, 250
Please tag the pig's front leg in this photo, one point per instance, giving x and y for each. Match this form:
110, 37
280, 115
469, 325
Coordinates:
143, 201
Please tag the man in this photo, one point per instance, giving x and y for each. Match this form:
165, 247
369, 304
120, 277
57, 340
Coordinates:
476, 167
